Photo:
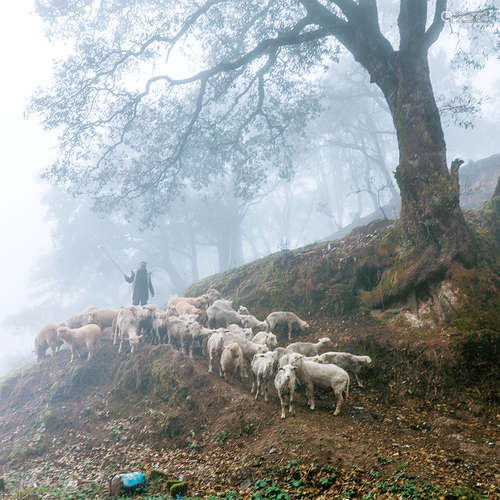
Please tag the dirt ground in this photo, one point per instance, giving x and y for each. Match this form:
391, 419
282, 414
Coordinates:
66, 430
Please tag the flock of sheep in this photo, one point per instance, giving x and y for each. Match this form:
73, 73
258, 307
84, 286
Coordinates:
236, 342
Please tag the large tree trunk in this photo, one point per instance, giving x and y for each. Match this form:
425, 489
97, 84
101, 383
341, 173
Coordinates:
430, 209
433, 228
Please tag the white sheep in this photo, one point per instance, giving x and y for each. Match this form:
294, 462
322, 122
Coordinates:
187, 309
347, 361
282, 351
215, 346
103, 317
76, 321
266, 338
159, 325
126, 328
330, 376
86, 336
238, 330
310, 348
194, 335
243, 311
178, 331
198, 302
223, 304
263, 368
232, 361
219, 316
199, 338
285, 383
252, 322
219, 339
145, 316
248, 347
45, 338
288, 318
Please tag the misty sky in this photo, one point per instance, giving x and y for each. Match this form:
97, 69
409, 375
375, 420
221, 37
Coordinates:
26, 63
26, 148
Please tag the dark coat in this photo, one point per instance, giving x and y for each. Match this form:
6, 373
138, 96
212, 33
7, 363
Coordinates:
142, 286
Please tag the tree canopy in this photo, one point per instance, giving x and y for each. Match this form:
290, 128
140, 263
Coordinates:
159, 95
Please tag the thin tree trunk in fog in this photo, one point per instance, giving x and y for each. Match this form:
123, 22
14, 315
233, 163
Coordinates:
324, 188
357, 191
229, 245
339, 189
251, 243
177, 280
195, 274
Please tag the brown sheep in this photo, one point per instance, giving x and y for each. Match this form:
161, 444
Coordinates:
232, 361
45, 338
87, 336
102, 317
198, 302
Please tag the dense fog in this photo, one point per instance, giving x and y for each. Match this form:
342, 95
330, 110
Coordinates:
341, 176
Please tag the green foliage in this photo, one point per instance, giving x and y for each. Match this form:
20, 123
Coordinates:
221, 438
179, 489
476, 341
156, 475
266, 488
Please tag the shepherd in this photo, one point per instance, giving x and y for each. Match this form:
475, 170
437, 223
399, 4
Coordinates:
142, 285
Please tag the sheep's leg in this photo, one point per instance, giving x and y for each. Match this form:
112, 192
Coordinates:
242, 374
310, 395
289, 331
53, 348
291, 409
282, 405
358, 380
257, 388
210, 363
266, 386
72, 355
77, 349
340, 398
253, 383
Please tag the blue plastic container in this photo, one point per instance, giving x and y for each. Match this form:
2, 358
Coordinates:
132, 479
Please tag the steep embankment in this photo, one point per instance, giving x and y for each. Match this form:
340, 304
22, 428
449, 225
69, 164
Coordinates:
64, 430
444, 338
423, 427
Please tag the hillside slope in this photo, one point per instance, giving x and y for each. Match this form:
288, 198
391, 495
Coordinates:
425, 426
64, 431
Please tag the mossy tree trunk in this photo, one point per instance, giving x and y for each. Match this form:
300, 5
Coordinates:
430, 208
432, 226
